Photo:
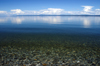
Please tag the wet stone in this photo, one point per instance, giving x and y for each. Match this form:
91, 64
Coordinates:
89, 61
56, 59
23, 58
82, 65
98, 63
93, 65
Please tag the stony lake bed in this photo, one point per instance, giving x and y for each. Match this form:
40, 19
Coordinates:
49, 50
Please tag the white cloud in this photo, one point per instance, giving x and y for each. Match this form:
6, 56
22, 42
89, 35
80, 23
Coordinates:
49, 11
2, 12
87, 8
53, 11
97, 11
17, 11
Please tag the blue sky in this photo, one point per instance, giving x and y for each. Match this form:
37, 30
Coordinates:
31, 7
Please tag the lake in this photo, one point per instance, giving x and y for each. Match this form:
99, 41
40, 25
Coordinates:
72, 39
51, 24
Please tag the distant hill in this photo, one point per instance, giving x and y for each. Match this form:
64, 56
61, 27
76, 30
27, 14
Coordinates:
56, 15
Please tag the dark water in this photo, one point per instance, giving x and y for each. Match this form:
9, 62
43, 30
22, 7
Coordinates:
75, 30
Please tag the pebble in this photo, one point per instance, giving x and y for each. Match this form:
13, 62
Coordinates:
39, 64
78, 61
39, 58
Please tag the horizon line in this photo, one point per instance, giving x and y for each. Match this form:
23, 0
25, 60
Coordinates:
55, 15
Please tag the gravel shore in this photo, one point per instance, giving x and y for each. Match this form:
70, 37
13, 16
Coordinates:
51, 57
49, 50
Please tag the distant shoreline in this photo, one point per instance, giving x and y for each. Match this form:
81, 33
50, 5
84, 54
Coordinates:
56, 15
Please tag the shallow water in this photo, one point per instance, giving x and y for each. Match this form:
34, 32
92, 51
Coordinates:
82, 29
75, 38
79, 29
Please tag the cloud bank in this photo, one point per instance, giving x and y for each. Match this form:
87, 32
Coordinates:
87, 10
3, 12
17, 11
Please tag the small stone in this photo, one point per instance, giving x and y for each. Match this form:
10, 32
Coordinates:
73, 59
68, 52
89, 61
78, 61
73, 51
24, 65
35, 59
44, 64
93, 64
81, 65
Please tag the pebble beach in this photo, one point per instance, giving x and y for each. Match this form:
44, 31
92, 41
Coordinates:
51, 51
54, 57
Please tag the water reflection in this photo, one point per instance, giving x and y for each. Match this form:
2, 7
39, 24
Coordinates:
3, 20
87, 22
17, 20
49, 19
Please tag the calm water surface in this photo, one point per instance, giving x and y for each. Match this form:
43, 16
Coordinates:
79, 29
51, 24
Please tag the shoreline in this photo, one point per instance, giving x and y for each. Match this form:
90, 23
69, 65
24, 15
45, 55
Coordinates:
48, 57
49, 50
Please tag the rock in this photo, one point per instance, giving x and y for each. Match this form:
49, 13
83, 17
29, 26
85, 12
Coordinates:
89, 61
56, 59
93, 64
40, 64
78, 61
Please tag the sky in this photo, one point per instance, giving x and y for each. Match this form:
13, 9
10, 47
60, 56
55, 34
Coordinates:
49, 7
